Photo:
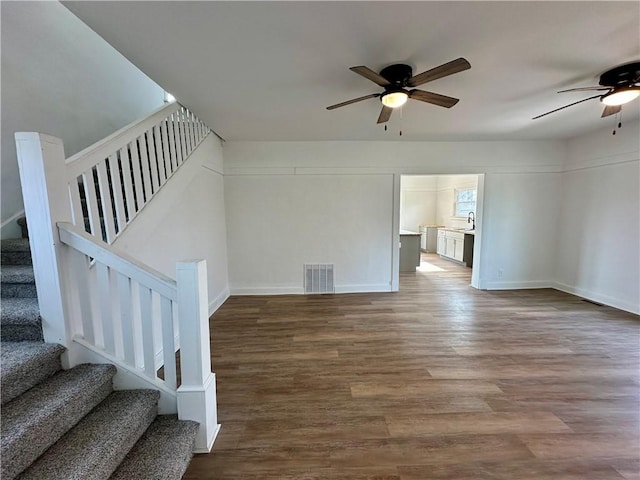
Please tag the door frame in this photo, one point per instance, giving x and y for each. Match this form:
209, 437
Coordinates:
476, 277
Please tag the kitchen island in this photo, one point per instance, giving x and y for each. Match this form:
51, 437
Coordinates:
409, 251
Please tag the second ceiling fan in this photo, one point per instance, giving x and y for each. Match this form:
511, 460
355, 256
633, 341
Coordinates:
397, 78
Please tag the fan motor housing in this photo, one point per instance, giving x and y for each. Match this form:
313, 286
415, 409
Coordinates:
398, 74
623, 75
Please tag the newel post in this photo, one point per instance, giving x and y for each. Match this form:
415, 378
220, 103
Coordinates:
197, 392
45, 194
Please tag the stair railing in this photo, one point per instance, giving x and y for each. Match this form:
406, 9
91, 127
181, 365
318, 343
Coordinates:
111, 181
100, 303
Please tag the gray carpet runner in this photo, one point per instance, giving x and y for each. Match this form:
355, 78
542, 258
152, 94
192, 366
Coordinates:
25, 364
20, 317
70, 424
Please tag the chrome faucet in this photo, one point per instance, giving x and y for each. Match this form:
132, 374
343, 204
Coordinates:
472, 218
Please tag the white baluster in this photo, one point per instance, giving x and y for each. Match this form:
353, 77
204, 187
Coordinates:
118, 194
106, 311
105, 200
127, 183
144, 164
147, 331
176, 127
137, 176
126, 318
91, 198
160, 154
168, 343
153, 164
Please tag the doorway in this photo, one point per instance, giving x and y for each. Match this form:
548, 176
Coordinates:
446, 212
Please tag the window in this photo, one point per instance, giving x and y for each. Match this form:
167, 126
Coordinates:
465, 202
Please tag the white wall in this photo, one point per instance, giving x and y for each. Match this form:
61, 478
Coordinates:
278, 223
519, 224
186, 221
599, 226
344, 191
418, 201
59, 77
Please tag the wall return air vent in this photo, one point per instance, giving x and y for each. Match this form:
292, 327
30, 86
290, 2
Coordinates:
318, 278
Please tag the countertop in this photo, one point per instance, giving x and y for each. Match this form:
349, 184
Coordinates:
458, 230
407, 232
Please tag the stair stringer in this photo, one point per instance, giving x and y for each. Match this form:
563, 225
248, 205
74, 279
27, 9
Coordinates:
126, 378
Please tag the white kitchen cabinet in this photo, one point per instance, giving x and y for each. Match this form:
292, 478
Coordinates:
451, 244
458, 248
442, 242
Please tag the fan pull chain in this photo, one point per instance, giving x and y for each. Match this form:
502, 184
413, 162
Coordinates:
618, 120
400, 121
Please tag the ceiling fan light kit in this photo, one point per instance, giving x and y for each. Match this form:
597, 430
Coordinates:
396, 78
621, 96
394, 99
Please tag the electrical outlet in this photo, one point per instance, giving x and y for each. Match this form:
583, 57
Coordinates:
500, 273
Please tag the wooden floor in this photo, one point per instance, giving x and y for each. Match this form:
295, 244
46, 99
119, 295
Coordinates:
437, 381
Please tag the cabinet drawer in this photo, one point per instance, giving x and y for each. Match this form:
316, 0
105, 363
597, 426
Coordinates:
456, 235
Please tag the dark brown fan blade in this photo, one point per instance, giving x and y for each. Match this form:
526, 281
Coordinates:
454, 66
385, 114
433, 98
584, 89
369, 74
610, 110
349, 102
567, 106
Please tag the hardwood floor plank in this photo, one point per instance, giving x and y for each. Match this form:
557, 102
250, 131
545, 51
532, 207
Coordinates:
446, 449
583, 445
429, 388
513, 470
475, 423
436, 381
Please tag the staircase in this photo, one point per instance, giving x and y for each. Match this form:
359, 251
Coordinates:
71, 424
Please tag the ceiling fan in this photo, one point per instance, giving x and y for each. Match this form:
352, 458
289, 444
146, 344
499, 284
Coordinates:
620, 84
396, 79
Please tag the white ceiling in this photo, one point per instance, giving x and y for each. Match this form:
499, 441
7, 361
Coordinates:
267, 70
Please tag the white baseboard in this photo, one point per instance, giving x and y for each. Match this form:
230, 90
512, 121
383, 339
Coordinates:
368, 288
267, 290
517, 285
217, 302
598, 297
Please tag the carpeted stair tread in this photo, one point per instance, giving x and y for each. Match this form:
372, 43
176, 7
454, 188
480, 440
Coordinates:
35, 420
25, 364
163, 452
15, 251
17, 274
18, 281
20, 320
20, 310
94, 448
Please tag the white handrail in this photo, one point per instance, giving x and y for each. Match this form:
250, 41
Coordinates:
122, 136
118, 260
